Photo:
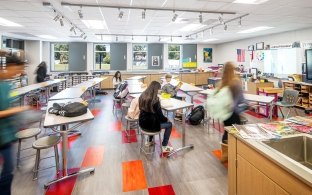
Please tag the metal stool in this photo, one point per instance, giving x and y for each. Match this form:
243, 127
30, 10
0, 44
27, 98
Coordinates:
243, 120
115, 102
128, 123
44, 143
124, 108
25, 134
147, 133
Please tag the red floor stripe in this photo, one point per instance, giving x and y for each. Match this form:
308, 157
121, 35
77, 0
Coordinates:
133, 176
71, 141
161, 190
218, 154
254, 114
64, 187
216, 126
129, 139
175, 133
93, 156
196, 101
116, 126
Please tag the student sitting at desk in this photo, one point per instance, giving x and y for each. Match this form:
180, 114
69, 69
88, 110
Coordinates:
173, 90
117, 79
151, 117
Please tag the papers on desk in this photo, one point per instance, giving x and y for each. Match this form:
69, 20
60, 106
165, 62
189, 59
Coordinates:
253, 131
165, 103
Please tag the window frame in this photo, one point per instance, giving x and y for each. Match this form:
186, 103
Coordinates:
142, 51
52, 56
180, 52
94, 56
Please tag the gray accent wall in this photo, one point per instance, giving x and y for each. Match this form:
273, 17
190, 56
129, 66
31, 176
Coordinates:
190, 51
118, 56
155, 49
77, 56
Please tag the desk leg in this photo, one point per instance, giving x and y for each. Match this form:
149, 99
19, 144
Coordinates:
64, 133
271, 110
191, 146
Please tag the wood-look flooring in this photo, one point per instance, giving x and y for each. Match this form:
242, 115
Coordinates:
195, 172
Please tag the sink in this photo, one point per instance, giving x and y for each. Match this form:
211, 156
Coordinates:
298, 148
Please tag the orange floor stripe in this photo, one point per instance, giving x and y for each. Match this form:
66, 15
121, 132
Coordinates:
175, 133
96, 112
93, 156
71, 141
218, 154
133, 177
116, 126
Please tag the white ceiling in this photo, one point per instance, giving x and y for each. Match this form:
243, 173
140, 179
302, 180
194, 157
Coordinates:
283, 15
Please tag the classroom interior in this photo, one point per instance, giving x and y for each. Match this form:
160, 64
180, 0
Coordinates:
104, 151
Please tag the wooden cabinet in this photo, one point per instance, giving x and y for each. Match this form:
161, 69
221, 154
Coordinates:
202, 78
253, 173
188, 78
251, 181
107, 83
252, 87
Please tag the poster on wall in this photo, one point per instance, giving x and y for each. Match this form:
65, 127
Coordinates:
207, 53
155, 60
240, 55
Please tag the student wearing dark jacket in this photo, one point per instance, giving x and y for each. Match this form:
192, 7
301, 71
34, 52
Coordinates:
151, 117
41, 72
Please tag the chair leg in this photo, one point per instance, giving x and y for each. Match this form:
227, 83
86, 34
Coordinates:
160, 144
289, 109
36, 168
57, 165
296, 111
142, 142
19, 152
281, 111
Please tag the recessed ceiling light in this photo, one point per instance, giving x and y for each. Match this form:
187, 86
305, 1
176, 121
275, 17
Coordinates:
191, 27
250, 1
256, 29
5, 22
94, 24
46, 36
210, 40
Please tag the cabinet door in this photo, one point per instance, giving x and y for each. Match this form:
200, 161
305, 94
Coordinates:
251, 181
188, 78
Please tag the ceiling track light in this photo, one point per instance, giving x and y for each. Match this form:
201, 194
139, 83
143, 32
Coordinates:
221, 19
82, 34
143, 14
85, 37
225, 27
56, 17
175, 16
171, 39
80, 14
132, 38
200, 18
240, 22
120, 15
61, 21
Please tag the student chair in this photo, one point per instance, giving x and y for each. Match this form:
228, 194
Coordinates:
289, 100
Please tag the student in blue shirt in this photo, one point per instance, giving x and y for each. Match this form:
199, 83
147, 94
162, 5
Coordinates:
7, 124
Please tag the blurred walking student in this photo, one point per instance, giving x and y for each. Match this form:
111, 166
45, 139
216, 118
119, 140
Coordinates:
7, 124
151, 117
230, 80
41, 72
117, 79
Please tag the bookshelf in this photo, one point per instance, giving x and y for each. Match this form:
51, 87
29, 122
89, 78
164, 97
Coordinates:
305, 92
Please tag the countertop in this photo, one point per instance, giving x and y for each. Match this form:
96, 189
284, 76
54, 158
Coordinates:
301, 172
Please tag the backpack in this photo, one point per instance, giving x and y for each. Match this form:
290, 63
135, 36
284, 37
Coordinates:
220, 105
197, 115
121, 91
71, 109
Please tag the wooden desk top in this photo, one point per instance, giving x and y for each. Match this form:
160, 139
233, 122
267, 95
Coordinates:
271, 90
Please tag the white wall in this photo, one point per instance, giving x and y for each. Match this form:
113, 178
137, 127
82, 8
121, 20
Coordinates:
33, 53
227, 51
200, 56
46, 50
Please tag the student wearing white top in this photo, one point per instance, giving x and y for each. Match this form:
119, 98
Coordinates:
117, 79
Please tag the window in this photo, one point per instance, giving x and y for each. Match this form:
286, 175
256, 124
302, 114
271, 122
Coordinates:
102, 57
60, 55
139, 57
174, 56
